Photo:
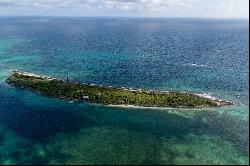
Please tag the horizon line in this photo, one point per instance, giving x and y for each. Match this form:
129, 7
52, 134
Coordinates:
145, 17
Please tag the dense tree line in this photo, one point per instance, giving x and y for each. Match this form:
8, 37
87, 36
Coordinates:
106, 95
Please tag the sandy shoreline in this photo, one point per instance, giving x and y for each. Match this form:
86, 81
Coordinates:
159, 108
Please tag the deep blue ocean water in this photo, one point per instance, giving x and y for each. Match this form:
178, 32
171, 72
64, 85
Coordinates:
200, 55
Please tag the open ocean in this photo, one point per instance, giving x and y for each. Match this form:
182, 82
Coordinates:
199, 55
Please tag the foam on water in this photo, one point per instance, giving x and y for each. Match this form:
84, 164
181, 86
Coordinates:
198, 65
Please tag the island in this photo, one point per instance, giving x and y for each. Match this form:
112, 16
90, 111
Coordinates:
108, 95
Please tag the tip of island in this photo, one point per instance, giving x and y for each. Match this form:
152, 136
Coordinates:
109, 95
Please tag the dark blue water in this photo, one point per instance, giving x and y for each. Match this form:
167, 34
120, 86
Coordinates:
205, 56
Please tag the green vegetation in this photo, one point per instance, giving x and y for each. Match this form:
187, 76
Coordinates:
109, 95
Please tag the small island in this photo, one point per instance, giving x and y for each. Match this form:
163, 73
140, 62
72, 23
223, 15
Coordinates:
99, 94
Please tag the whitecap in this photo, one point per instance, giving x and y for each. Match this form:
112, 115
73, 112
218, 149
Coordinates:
207, 96
197, 65
242, 104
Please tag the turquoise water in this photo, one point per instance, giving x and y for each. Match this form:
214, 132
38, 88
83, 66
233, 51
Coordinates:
206, 56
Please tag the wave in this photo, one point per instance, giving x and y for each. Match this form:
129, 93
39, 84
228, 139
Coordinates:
208, 96
242, 104
197, 65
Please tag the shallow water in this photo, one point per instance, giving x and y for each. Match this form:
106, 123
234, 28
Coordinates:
207, 56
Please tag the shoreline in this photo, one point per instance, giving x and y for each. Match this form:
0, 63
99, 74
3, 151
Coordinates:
209, 101
203, 95
157, 108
